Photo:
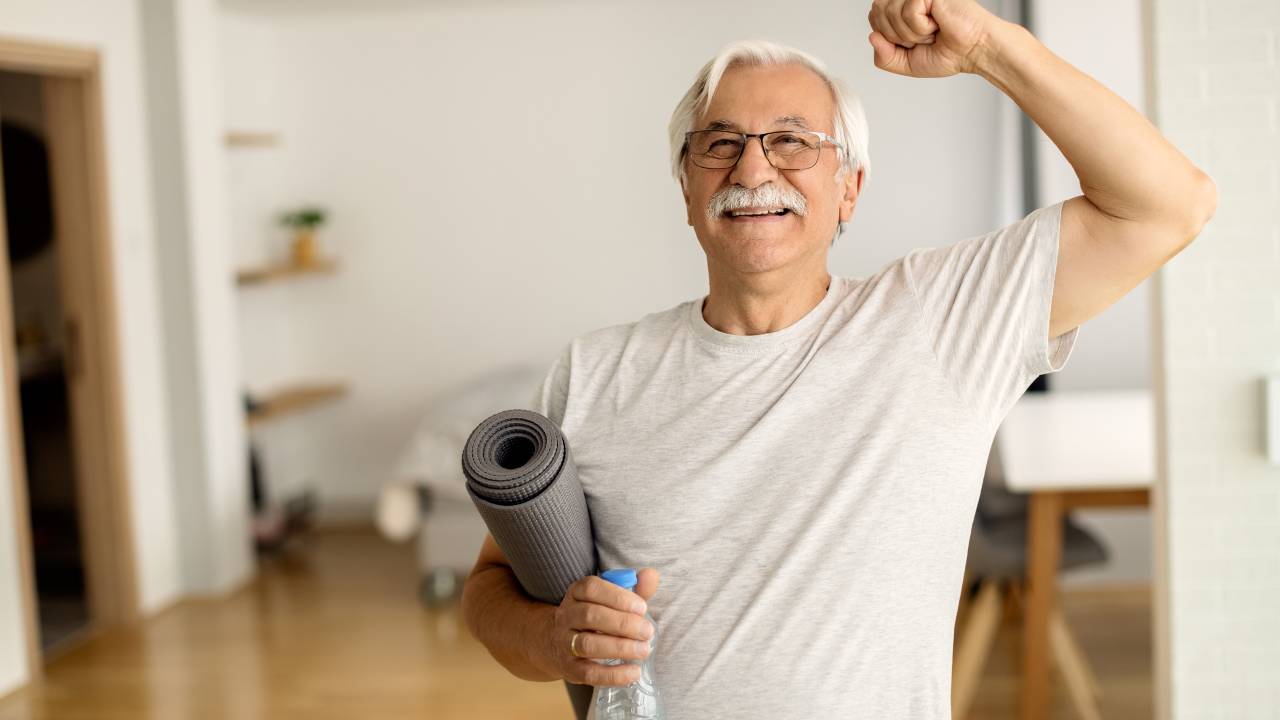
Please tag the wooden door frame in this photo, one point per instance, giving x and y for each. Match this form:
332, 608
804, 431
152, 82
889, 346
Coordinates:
72, 89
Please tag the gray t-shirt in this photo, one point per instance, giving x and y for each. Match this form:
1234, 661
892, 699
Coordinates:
807, 494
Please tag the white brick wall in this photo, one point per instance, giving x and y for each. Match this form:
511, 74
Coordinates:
1217, 97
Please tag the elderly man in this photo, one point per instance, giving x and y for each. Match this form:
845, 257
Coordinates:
799, 453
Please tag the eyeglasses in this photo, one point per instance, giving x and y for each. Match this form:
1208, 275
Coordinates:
784, 149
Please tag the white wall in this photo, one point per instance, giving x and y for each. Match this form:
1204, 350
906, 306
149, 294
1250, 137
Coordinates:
1217, 93
497, 174
195, 272
111, 26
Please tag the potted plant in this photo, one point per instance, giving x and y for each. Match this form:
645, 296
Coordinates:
304, 222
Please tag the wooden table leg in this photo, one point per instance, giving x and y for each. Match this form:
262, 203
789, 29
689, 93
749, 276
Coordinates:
1044, 551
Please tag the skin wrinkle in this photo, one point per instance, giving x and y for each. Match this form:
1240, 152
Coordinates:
793, 120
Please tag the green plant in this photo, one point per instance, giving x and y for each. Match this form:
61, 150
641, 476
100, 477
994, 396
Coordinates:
305, 218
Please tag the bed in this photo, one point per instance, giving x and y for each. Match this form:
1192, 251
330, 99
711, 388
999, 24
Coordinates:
426, 497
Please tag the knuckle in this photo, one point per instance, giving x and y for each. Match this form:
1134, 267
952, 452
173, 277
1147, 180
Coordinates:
598, 615
593, 674
623, 649
628, 626
593, 585
588, 644
613, 675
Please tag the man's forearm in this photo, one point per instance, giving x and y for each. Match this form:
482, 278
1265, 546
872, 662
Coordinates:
1126, 167
507, 622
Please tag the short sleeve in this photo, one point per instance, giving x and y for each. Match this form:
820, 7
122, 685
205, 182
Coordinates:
985, 302
550, 397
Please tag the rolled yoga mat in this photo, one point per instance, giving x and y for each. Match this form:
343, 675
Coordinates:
521, 477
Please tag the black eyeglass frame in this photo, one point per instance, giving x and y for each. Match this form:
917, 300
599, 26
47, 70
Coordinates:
746, 137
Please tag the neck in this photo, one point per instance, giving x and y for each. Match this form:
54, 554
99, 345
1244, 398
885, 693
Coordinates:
758, 303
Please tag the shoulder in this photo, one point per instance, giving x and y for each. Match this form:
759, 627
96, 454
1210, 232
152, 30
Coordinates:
609, 343
593, 359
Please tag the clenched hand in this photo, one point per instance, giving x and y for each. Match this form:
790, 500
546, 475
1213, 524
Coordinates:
612, 625
929, 38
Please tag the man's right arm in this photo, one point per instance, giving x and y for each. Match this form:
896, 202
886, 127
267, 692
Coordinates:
506, 621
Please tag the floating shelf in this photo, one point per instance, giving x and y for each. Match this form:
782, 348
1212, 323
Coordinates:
251, 138
257, 276
294, 399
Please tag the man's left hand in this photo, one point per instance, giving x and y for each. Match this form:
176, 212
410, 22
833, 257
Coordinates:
930, 38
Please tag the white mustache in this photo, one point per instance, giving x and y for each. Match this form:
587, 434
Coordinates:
735, 197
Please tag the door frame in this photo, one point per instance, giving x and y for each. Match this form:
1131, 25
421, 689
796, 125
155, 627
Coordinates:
72, 88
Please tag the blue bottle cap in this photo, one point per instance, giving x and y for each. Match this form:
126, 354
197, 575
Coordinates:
622, 577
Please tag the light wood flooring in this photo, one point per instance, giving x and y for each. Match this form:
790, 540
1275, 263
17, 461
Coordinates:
333, 630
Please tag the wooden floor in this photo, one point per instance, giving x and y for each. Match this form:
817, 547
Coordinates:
333, 630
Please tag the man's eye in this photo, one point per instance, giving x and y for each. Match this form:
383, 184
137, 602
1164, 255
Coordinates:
789, 140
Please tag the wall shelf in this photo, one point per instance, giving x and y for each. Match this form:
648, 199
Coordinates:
251, 138
269, 273
294, 399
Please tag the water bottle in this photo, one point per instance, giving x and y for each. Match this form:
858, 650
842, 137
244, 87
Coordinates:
639, 700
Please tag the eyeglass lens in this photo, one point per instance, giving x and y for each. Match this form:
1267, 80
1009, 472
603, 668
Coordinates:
785, 150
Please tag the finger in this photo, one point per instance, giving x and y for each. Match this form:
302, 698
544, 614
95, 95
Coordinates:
647, 583
595, 645
895, 15
917, 17
598, 618
888, 56
880, 23
873, 17
590, 672
594, 589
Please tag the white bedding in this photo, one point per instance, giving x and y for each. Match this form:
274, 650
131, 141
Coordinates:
432, 457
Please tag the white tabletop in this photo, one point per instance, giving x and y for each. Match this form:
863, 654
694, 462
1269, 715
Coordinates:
1079, 440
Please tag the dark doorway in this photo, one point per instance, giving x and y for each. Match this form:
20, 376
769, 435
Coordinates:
41, 341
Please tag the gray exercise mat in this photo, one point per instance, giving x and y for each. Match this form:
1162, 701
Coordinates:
521, 477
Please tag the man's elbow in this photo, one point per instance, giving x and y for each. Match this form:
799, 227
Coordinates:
1201, 205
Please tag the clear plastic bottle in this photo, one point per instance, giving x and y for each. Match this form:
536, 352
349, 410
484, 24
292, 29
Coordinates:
640, 699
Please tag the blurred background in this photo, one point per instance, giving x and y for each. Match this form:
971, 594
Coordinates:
269, 261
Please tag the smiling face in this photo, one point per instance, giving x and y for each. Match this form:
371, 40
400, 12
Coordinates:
756, 99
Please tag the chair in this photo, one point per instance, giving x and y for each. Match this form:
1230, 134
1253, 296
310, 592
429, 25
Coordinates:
994, 580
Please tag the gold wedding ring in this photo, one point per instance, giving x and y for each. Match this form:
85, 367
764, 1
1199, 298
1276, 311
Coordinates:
573, 645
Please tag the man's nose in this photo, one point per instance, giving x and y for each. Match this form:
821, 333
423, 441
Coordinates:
753, 168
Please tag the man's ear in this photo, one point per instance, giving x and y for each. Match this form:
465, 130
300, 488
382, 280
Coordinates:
688, 214
849, 197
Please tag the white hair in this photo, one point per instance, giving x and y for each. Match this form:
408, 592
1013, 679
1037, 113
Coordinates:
850, 123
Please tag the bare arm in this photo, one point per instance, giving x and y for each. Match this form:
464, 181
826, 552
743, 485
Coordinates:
505, 620
1143, 200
